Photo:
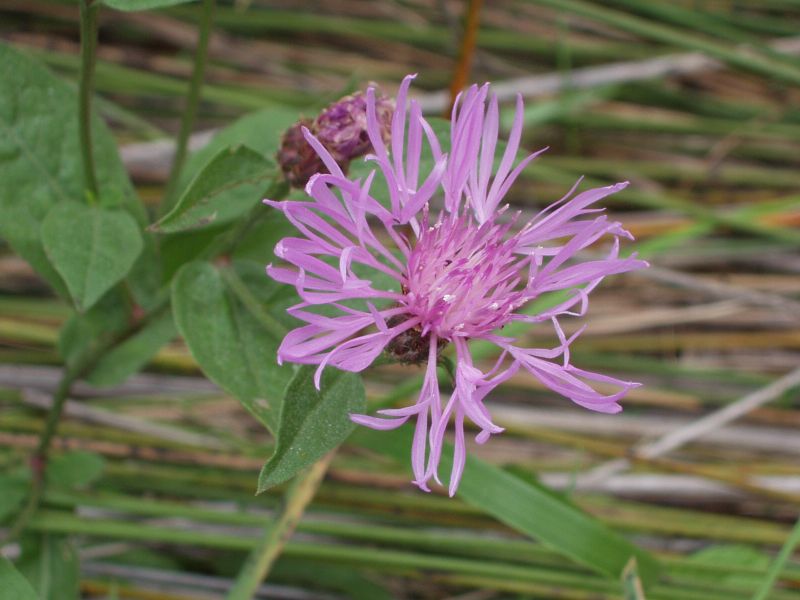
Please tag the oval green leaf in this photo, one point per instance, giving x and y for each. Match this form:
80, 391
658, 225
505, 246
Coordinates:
313, 422
231, 184
50, 564
13, 586
235, 348
260, 131
76, 469
15, 489
92, 248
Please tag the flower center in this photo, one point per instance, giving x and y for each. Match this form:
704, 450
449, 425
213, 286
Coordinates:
411, 346
463, 278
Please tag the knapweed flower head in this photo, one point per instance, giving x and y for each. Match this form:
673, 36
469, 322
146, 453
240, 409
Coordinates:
461, 268
341, 128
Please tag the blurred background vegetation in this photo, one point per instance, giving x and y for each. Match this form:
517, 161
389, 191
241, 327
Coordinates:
695, 102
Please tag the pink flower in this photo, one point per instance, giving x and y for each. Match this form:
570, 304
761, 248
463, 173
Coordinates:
460, 272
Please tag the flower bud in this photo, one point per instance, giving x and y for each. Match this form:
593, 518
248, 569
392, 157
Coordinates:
342, 127
297, 158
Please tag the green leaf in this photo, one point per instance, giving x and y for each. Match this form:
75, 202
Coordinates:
40, 157
230, 185
13, 586
76, 469
528, 508
731, 556
92, 248
131, 355
260, 131
259, 242
234, 347
14, 491
50, 564
177, 249
132, 5
312, 422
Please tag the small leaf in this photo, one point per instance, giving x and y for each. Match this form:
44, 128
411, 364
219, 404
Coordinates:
77, 469
260, 131
177, 249
231, 184
50, 564
92, 248
312, 422
131, 355
234, 349
133, 5
13, 586
259, 242
14, 491
731, 555
528, 508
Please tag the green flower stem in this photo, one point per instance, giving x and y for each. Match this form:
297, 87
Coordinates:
88, 17
278, 532
775, 570
192, 102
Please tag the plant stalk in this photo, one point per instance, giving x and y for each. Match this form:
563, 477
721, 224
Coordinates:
462, 70
88, 19
278, 532
193, 96
38, 461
